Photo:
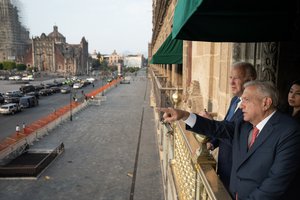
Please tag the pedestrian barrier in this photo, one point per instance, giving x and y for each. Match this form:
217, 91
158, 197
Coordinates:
36, 130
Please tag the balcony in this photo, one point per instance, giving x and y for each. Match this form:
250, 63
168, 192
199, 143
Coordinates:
188, 168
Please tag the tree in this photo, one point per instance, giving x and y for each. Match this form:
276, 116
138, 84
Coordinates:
9, 65
95, 64
21, 67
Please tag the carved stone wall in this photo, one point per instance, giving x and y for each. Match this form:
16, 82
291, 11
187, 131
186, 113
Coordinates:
193, 101
264, 56
269, 57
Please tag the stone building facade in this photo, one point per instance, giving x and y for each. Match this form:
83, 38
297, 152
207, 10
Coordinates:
14, 38
201, 82
51, 53
115, 59
206, 65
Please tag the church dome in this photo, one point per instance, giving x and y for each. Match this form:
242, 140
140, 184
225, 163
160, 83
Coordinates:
57, 35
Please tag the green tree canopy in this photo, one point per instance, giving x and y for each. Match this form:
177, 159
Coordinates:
95, 64
21, 67
9, 65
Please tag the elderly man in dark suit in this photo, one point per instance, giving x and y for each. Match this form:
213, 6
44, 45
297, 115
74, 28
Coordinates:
240, 73
266, 144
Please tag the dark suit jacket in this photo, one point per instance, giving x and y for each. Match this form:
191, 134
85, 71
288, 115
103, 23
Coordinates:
268, 169
225, 150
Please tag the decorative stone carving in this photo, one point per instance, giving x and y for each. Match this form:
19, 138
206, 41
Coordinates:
193, 98
269, 66
236, 52
266, 61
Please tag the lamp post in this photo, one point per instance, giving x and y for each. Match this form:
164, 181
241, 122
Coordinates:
71, 117
41, 67
102, 85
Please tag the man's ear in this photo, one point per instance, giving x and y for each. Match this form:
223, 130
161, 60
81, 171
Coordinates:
267, 103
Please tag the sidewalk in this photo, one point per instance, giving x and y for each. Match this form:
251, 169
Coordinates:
100, 155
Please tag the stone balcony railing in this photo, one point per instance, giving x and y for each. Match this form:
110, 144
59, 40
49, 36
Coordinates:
187, 167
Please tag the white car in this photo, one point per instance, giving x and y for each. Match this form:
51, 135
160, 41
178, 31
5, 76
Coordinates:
10, 108
14, 78
91, 79
28, 78
77, 85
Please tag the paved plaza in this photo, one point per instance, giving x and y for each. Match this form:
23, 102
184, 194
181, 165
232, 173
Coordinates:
110, 152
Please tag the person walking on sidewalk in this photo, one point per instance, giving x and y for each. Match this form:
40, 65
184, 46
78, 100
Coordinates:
18, 129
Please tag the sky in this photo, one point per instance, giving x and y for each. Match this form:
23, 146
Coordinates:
107, 25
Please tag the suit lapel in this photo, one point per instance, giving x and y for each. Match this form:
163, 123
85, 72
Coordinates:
244, 140
263, 135
231, 102
237, 115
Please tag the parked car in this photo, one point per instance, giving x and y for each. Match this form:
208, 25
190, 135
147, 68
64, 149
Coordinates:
10, 108
45, 92
14, 78
57, 83
1, 99
28, 101
3, 78
65, 90
38, 87
91, 79
27, 88
54, 89
77, 85
11, 99
34, 93
14, 93
28, 78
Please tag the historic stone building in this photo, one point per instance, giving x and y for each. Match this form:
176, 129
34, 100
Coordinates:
14, 38
47, 53
51, 53
115, 59
193, 45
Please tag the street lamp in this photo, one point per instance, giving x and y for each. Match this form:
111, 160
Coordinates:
41, 67
71, 117
102, 85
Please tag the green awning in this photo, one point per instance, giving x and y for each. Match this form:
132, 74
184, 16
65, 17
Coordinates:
170, 52
234, 20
